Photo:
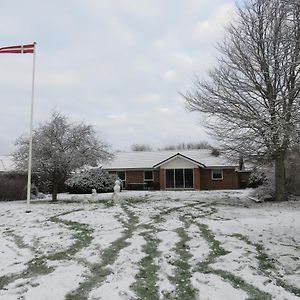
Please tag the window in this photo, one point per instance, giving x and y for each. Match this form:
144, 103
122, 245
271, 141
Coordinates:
148, 175
179, 183
217, 174
170, 179
122, 175
188, 178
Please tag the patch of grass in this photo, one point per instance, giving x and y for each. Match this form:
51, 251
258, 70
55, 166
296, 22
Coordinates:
182, 277
267, 264
288, 287
239, 283
35, 267
138, 200
5, 280
99, 271
145, 285
82, 236
147, 278
18, 240
215, 248
216, 251
38, 265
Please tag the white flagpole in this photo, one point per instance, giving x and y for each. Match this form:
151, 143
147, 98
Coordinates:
30, 135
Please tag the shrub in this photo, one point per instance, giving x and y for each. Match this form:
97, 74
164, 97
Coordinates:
264, 179
257, 177
85, 181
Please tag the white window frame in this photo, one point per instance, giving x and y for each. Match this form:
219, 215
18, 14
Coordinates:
152, 179
212, 174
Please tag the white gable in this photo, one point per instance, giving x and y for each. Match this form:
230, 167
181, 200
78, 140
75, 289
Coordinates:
179, 163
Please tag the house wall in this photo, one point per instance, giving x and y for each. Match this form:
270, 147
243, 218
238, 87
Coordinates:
162, 179
229, 181
197, 179
156, 183
202, 179
135, 180
134, 177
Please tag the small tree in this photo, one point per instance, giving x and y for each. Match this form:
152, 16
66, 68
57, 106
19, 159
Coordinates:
59, 148
252, 96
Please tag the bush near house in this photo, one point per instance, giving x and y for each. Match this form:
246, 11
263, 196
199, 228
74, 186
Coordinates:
257, 178
85, 181
263, 178
293, 171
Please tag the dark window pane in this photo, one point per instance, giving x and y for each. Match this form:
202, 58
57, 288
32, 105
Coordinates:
169, 178
188, 178
179, 178
148, 175
121, 175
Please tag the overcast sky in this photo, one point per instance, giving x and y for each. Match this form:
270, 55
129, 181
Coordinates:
116, 64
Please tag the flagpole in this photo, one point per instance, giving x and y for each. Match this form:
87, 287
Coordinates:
30, 135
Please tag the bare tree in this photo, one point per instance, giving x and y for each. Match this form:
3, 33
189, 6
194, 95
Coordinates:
140, 147
60, 147
188, 146
252, 96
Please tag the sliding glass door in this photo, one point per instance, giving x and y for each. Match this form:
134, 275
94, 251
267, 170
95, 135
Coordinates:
170, 182
179, 178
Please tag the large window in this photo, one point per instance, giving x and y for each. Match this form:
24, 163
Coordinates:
188, 178
179, 178
170, 179
217, 174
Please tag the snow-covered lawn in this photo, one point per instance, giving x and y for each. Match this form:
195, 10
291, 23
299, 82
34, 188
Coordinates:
154, 245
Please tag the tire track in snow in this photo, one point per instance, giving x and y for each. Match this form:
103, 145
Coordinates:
100, 271
38, 265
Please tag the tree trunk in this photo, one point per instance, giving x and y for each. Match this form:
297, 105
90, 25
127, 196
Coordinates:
54, 191
280, 186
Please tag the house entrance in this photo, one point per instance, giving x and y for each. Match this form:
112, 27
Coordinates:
179, 178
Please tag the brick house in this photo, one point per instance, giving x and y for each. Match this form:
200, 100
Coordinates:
171, 170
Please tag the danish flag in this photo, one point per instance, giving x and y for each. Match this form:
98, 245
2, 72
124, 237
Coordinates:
18, 49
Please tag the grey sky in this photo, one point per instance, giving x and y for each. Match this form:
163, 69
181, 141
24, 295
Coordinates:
115, 64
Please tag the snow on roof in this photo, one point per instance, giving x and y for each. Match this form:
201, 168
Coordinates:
147, 160
6, 163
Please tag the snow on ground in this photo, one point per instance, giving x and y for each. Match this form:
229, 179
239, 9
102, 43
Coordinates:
117, 285
154, 245
213, 287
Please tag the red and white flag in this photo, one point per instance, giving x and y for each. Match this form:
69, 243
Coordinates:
18, 49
